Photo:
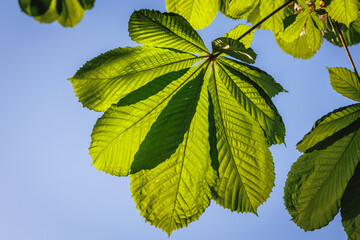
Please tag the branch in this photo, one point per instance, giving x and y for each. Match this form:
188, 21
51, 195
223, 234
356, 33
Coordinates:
266, 18
346, 50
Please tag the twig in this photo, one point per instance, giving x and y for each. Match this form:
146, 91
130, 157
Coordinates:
346, 49
266, 18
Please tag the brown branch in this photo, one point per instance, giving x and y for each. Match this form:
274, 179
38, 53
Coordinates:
346, 49
266, 18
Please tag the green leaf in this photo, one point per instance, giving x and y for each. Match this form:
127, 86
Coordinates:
314, 31
67, 12
261, 78
274, 23
246, 171
168, 131
351, 35
317, 180
238, 8
117, 135
234, 49
299, 48
344, 11
107, 78
238, 31
350, 207
177, 191
328, 125
199, 13
297, 28
255, 101
345, 82
166, 30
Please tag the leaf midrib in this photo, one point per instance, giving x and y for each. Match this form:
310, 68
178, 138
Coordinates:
226, 137
186, 141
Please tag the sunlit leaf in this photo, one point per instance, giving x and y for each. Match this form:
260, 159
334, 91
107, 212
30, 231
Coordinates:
328, 125
164, 30
274, 23
344, 11
199, 13
107, 78
117, 135
238, 31
345, 82
253, 100
161, 126
246, 174
317, 180
177, 191
238, 8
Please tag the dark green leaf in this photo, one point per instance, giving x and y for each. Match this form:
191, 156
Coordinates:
345, 82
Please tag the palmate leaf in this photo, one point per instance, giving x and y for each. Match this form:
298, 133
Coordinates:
326, 176
345, 82
303, 35
199, 13
67, 12
350, 207
161, 126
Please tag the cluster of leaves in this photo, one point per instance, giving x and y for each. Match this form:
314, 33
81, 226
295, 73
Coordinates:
189, 125
298, 28
67, 12
186, 124
327, 176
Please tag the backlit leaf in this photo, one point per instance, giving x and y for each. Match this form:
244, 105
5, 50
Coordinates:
238, 31
199, 13
345, 82
344, 11
107, 78
166, 30
329, 125
246, 174
177, 191
318, 179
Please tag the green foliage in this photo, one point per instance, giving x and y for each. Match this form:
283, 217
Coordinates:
351, 34
67, 12
186, 124
316, 184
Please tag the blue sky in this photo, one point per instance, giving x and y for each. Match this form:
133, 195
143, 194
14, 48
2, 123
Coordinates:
49, 190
